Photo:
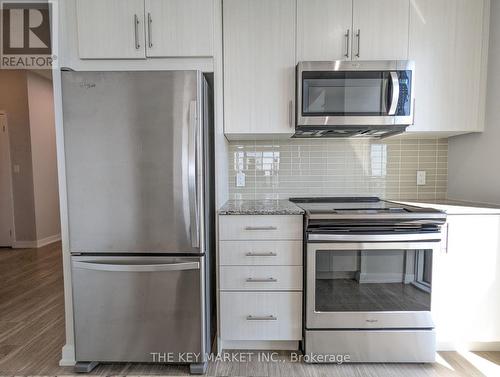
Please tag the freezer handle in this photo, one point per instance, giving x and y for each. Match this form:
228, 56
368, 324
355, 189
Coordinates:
121, 267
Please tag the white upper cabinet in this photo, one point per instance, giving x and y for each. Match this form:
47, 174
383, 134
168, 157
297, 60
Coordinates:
110, 29
134, 29
380, 29
352, 30
180, 28
324, 30
446, 42
259, 67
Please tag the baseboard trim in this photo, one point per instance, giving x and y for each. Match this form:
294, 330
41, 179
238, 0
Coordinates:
287, 345
37, 243
68, 356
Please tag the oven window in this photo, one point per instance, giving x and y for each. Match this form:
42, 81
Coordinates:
345, 93
373, 280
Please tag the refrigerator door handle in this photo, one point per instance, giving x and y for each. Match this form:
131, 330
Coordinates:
192, 174
120, 267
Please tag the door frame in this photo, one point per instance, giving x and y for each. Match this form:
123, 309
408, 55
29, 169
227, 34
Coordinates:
9, 177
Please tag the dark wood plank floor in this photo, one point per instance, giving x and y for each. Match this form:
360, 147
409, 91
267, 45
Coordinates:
32, 335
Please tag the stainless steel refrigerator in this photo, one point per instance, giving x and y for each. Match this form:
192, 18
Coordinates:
140, 193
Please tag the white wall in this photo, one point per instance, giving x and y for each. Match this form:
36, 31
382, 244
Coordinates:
473, 172
43, 155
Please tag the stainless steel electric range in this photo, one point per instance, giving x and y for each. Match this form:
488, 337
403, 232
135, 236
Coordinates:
369, 279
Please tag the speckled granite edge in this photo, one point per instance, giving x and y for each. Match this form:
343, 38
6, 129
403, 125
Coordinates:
260, 207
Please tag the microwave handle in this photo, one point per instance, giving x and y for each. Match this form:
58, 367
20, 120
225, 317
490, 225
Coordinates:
395, 93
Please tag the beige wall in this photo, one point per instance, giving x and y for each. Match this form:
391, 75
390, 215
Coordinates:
474, 173
14, 101
27, 100
43, 155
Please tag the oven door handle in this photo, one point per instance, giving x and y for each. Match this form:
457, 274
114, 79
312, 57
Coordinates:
395, 93
431, 237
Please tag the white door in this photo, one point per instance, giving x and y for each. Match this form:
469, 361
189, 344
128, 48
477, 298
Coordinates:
110, 29
259, 67
6, 209
380, 29
179, 28
446, 42
324, 30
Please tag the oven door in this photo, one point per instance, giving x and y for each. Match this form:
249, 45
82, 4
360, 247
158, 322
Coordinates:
354, 93
369, 285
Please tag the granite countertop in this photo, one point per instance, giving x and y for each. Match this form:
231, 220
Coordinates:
260, 207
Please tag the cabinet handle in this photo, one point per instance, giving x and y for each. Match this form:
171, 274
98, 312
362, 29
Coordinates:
136, 32
290, 113
358, 35
268, 280
347, 36
260, 228
262, 318
447, 237
150, 33
270, 254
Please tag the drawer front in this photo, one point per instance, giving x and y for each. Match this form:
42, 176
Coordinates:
260, 253
261, 315
254, 227
270, 278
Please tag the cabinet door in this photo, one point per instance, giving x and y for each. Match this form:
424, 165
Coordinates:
466, 284
324, 30
110, 29
259, 67
380, 29
446, 44
179, 28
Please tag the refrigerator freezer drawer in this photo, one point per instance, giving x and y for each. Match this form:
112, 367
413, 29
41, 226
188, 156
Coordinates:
126, 308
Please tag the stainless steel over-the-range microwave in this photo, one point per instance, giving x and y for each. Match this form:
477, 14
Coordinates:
354, 98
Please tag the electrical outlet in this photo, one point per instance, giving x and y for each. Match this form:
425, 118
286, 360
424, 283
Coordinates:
421, 178
17, 168
240, 179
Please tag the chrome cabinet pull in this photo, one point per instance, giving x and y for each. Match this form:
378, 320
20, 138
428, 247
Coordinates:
270, 254
136, 32
347, 37
358, 35
260, 228
150, 37
268, 280
262, 318
290, 113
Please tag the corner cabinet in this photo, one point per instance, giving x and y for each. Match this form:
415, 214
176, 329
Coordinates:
352, 29
448, 41
259, 68
137, 29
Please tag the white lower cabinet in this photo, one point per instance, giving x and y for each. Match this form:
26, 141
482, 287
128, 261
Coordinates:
260, 281
261, 315
466, 283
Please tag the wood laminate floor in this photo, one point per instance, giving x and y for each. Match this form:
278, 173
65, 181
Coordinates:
32, 334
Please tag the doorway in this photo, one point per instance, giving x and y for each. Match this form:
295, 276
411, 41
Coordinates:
6, 200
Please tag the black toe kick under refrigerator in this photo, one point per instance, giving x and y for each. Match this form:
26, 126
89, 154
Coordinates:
140, 193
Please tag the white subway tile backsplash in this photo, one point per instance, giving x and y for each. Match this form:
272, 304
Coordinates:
326, 167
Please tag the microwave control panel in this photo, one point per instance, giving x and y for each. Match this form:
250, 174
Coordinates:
404, 102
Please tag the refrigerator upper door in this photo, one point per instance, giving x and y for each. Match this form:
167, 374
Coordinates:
131, 144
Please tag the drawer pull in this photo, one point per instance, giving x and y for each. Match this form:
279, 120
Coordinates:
262, 318
268, 280
270, 254
261, 228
